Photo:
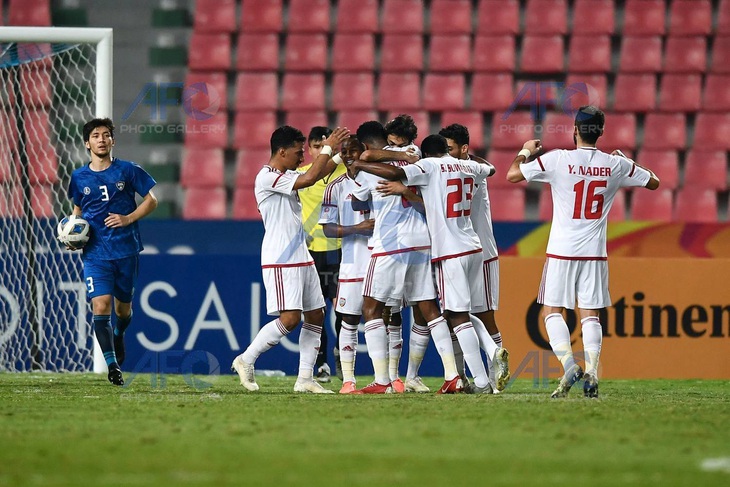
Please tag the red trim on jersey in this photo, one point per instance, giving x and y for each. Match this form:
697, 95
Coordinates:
541, 291
419, 167
454, 256
491, 260
633, 168
360, 279
369, 276
440, 285
487, 284
279, 280
402, 251
540, 162
563, 257
281, 266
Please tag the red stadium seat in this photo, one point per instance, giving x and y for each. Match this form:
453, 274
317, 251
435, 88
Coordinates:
209, 52
9, 164
352, 91
589, 54
444, 92
204, 204
585, 89
716, 96
712, 131
652, 205
303, 91
354, 16
215, 85
42, 160
696, 205
244, 204
309, 16
634, 92
557, 131
257, 52
352, 119
451, 17
619, 132
420, 118
450, 53
538, 95
252, 130
256, 91
721, 55
665, 131
544, 17
490, 92
501, 159
664, 163
35, 13
399, 91
402, 17
472, 121
248, 164
261, 16
401, 53
690, 18
212, 132
542, 54
353, 52
511, 130
723, 18
644, 17
507, 204
306, 119
214, 16
36, 87
641, 54
685, 55
202, 168
494, 53
305, 52
593, 17
706, 169
41, 200
680, 92
498, 17
11, 201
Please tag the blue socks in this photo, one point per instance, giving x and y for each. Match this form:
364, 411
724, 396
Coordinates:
105, 337
122, 324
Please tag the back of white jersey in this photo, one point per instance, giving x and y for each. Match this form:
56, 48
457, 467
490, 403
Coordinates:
481, 220
284, 243
583, 183
398, 226
337, 209
447, 185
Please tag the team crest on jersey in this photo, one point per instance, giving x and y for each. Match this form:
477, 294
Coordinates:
342, 301
120, 185
87, 190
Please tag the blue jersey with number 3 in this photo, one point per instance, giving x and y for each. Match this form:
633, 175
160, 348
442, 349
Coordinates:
99, 193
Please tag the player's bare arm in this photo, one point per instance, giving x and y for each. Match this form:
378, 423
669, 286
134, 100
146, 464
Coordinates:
385, 171
653, 182
332, 230
147, 206
482, 160
322, 163
383, 155
397, 188
529, 149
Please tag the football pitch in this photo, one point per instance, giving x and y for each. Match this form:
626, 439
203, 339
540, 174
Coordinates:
78, 430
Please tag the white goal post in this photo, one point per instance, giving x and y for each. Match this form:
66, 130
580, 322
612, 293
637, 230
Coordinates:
52, 80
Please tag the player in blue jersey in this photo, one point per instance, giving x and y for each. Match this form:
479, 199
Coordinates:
103, 193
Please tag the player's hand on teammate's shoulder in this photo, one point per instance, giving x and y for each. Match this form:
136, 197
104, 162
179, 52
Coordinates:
336, 137
411, 156
115, 220
391, 188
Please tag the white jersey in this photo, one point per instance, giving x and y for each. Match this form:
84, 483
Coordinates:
284, 243
398, 226
337, 209
481, 220
447, 185
583, 183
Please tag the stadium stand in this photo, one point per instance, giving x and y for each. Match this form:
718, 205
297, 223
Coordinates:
202, 168
36, 13
494, 53
353, 52
356, 16
215, 16
586, 11
696, 205
450, 53
498, 17
652, 205
451, 17
309, 16
352, 91
635, 92
644, 17
205, 204
257, 52
256, 91
401, 52
545, 17
262, 16
664, 163
402, 16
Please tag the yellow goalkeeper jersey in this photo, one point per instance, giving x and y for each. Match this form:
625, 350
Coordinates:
311, 199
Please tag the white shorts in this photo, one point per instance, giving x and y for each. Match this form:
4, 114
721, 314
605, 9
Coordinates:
460, 284
400, 277
295, 287
349, 296
566, 281
490, 277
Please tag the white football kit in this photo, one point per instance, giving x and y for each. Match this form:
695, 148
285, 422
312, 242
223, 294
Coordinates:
290, 278
583, 183
447, 185
481, 220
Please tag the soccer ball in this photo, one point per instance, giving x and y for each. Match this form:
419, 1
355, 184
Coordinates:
73, 231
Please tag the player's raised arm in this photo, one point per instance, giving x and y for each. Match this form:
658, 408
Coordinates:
529, 149
385, 171
481, 160
653, 182
322, 164
384, 155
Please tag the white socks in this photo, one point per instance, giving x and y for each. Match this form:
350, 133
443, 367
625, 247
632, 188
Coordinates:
469, 343
417, 344
348, 350
268, 336
458, 355
309, 339
442, 339
485, 340
559, 336
395, 350
376, 337
592, 338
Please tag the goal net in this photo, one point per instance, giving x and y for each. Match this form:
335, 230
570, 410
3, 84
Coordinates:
52, 81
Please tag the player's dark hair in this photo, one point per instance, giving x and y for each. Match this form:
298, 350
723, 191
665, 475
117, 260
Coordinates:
372, 133
318, 132
403, 126
590, 121
456, 132
351, 139
285, 137
434, 145
96, 123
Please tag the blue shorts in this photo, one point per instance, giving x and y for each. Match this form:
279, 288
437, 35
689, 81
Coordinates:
115, 277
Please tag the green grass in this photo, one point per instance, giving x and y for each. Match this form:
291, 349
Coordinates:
71, 429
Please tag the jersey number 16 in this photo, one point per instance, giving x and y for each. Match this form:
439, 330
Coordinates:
586, 203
